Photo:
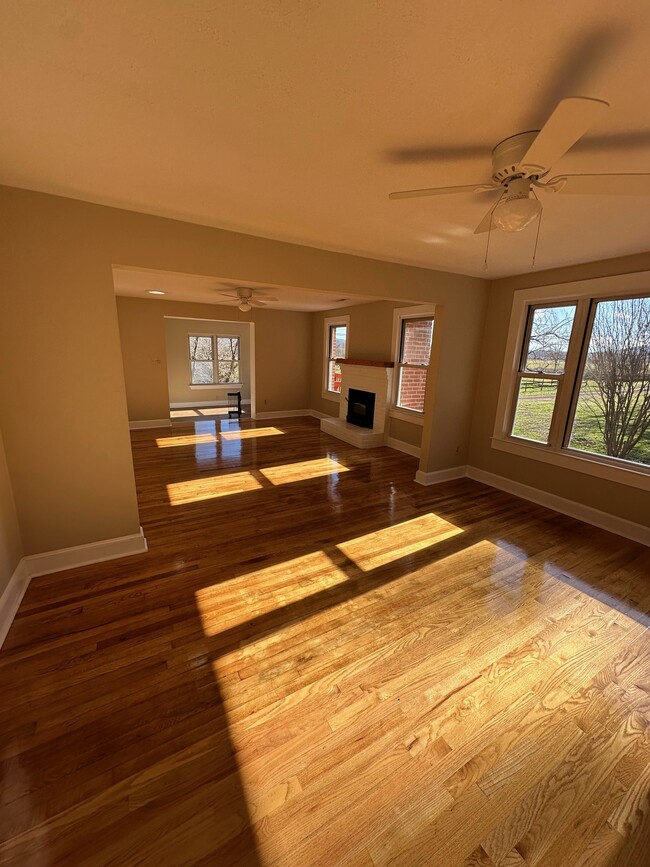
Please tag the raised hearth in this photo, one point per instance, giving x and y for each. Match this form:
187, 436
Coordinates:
371, 376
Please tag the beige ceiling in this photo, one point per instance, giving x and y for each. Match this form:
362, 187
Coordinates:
138, 282
294, 119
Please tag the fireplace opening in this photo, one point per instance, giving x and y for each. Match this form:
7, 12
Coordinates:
361, 407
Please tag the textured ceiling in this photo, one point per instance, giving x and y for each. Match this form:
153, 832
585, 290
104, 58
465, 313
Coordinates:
294, 119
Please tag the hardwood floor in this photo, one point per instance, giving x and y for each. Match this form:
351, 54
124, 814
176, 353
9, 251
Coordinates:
320, 662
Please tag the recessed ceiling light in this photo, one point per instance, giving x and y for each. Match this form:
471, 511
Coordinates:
155, 292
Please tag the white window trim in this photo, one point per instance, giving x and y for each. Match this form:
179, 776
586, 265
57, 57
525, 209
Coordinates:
326, 394
214, 338
595, 465
420, 311
222, 386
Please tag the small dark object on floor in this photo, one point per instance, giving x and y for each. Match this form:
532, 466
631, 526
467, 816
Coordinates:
234, 404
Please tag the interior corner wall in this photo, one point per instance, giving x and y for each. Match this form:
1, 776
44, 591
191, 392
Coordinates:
617, 499
282, 347
11, 550
69, 457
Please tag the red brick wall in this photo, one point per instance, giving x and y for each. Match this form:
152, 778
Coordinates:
416, 349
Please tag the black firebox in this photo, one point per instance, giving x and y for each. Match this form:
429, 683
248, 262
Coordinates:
361, 407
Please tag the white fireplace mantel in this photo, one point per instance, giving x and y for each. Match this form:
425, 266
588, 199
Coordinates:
376, 378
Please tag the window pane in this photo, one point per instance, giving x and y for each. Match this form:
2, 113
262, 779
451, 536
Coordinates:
613, 409
412, 385
535, 404
201, 348
334, 376
338, 341
202, 372
549, 339
228, 371
228, 348
416, 341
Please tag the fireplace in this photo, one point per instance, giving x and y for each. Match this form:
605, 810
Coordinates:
361, 407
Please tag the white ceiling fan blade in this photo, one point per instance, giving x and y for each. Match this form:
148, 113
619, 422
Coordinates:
263, 297
486, 222
256, 303
624, 184
484, 225
569, 121
442, 191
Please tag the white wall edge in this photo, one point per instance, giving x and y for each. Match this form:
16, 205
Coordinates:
603, 520
194, 404
285, 413
85, 555
438, 476
150, 422
401, 446
12, 597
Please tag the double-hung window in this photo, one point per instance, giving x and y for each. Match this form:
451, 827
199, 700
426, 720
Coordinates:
413, 359
336, 347
214, 359
581, 384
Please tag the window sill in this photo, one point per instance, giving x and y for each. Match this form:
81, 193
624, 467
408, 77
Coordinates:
334, 396
214, 385
409, 415
636, 478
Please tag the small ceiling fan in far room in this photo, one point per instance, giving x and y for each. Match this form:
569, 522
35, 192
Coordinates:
522, 163
245, 297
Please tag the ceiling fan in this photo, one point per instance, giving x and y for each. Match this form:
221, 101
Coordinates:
522, 163
244, 296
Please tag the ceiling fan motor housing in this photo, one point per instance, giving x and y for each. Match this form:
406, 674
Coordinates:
508, 154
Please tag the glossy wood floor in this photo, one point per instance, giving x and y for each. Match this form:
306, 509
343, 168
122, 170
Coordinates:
320, 662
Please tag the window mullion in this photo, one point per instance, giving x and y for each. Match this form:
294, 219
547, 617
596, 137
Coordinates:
573, 367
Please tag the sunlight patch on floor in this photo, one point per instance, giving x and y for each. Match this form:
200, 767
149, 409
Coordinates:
195, 490
189, 440
285, 473
251, 433
385, 546
254, 594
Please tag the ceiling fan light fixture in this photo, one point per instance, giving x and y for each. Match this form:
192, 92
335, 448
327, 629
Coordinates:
244, 305
517, 210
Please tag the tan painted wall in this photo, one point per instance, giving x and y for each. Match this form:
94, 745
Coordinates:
73, 475
177, 332
626, 502
11, 549
371, 337
281, 354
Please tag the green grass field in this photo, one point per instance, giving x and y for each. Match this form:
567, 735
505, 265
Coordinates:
533, 419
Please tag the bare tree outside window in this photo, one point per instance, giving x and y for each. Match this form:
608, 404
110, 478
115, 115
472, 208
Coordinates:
549, 339
205, 350
228, 359
613, 408
541, 369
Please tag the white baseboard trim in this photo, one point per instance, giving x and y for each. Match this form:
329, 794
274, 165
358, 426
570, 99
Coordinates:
314, 413
603, 520
401, 446
284, 413
85, 555
12, 597
150, 422
197, 404
438, 476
